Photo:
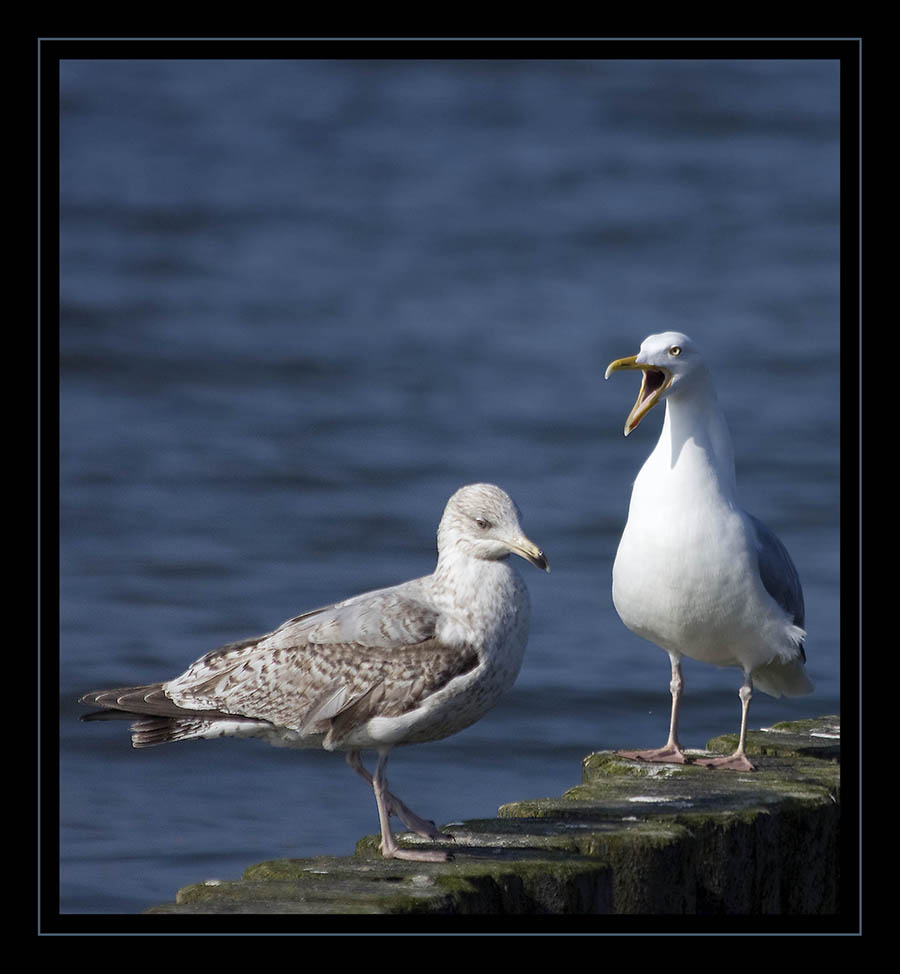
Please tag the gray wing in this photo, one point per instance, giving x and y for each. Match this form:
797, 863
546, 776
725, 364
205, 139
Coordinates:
396, 616
778, 574
322, 673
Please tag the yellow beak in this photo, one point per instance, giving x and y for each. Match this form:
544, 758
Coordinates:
528, 550
654, 382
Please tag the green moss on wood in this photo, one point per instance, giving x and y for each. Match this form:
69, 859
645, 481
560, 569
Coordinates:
631, 838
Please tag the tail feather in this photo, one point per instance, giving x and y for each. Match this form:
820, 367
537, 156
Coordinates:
158, 720
149, 732
778, 678
161, 730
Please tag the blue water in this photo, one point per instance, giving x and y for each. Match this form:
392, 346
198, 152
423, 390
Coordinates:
304, 301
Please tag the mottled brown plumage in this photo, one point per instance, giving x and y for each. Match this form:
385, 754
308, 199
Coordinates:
406, 664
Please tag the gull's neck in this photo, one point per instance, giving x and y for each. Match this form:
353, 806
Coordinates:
467, 571
468, 590
695, 424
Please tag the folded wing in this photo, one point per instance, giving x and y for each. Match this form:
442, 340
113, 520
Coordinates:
319, 675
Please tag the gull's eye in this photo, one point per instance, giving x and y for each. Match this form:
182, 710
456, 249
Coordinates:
675, 351
483, 523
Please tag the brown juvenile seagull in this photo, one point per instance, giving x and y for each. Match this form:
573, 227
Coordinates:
400, 665
695, 573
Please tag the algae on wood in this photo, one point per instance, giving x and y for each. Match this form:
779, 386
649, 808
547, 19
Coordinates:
631, 838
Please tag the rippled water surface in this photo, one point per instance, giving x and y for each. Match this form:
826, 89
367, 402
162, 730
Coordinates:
304, 301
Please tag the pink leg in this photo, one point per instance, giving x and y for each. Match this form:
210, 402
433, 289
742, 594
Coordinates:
672, 752
424, 827
389, 847
739, 760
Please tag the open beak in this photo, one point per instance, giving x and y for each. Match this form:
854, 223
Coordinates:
654, 383
529, 551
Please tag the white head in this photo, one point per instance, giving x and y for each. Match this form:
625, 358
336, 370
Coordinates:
482, 521
669, 362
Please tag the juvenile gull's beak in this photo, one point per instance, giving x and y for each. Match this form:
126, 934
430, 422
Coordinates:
654, 382
529, 551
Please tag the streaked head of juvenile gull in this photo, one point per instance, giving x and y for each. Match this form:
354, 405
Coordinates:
482, 521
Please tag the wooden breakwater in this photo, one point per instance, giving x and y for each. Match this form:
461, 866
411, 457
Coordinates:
631, 839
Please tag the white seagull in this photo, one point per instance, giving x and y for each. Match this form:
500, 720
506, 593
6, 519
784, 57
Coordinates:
401, 665
694, 572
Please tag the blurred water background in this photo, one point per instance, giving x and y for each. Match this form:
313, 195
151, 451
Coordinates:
305, 300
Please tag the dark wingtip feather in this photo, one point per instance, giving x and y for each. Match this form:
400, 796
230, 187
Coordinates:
108, 715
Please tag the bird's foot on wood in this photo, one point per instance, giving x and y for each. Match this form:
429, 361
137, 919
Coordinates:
733, 762
670, 754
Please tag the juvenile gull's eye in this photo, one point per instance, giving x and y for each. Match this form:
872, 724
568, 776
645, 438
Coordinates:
483, 523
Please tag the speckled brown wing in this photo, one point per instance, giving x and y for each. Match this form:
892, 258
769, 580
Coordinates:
400, 684
325, 672
318, 688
